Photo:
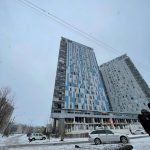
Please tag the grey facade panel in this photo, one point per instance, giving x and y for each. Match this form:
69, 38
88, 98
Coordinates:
138, 77
126, 89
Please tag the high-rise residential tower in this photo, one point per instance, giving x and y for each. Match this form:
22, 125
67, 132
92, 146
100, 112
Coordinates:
126, 89
78, 84
79, 99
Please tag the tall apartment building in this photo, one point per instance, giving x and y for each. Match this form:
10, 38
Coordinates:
79, 99
126, 89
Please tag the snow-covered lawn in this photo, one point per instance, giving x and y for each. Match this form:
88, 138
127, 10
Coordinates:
23, 139
9, 140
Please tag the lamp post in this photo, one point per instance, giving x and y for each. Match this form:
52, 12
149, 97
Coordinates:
62, 125
62, 129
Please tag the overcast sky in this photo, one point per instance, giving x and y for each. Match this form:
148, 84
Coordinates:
29, 44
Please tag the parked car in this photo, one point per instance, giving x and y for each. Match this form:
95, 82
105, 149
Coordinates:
139, 131
107, 136
36, 136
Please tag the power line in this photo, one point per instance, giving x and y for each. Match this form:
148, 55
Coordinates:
74, 28
142, 66
68, 25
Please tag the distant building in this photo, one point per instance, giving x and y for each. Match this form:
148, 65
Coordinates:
79, 100
126, 89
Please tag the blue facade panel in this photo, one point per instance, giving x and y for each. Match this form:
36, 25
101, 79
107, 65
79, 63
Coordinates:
83, 79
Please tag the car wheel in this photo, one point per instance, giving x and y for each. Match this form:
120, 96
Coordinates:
97, 141
123, 139
43, 138
33, 139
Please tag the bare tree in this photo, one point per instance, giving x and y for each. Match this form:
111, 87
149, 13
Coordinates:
6, 107
8, 130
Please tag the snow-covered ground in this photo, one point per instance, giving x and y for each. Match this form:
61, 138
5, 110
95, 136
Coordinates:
138, 144
23, 139
13, 139
141, 144
70, 147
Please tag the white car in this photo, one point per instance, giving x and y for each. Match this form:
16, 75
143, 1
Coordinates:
139, 131
107, 136
36, 136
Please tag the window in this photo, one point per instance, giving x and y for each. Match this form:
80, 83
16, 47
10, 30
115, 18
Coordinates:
94, 132
98, 132
101, 132
59, 106
75, 99
109, 132
76, 106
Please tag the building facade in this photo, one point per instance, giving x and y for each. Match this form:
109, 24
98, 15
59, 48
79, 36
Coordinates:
79, 100
126, 89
